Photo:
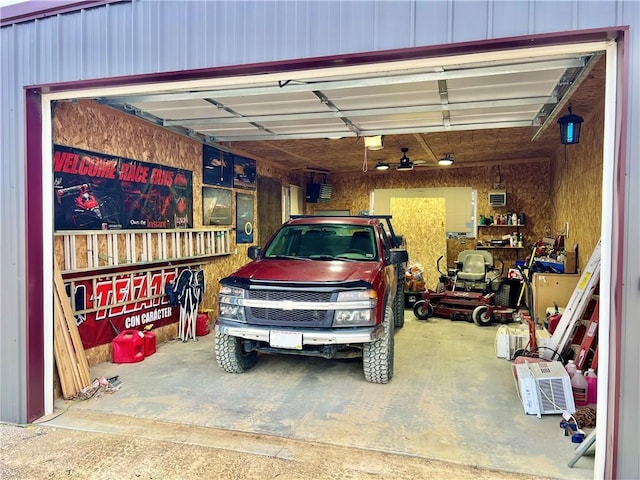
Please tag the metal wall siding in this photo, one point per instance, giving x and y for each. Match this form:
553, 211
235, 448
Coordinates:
510, 19
557, 19
395, 26
12, 291
432, 21
469, 21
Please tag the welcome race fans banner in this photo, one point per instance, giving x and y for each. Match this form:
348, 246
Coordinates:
94, 191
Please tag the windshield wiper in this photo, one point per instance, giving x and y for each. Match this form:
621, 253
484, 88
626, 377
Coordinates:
288, 257
331, 257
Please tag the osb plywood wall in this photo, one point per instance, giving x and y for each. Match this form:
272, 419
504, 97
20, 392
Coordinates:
425, 239
528, 187
577, 187
89, 126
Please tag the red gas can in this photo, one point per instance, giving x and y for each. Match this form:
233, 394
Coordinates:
203, 325
149, 343
128, 347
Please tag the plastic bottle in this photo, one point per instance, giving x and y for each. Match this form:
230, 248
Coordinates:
579, 386
570, 367
592, 386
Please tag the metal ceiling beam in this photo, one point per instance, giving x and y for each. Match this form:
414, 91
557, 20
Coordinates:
374, 81
366, 133
362, 112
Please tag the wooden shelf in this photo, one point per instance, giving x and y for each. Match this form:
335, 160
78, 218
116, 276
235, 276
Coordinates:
499, 248
502, 226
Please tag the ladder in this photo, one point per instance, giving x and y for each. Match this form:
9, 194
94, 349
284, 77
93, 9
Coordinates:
578, 302
589, 336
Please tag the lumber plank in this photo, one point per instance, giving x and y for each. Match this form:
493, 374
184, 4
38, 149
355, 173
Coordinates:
71, 334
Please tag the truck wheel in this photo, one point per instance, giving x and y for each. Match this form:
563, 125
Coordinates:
377, 356
398, 309
230, 355
422, 310
480, 316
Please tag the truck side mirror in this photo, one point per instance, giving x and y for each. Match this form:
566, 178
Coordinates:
398, 256
253, 252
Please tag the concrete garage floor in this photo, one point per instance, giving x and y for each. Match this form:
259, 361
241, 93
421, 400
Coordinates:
451, 399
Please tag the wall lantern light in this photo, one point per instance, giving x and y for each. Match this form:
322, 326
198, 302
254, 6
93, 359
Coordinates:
570, 128
373, 143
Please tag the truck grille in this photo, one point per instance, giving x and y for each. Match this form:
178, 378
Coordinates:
292, 318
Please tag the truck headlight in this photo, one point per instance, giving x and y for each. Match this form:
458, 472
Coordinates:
358, 308
230, 303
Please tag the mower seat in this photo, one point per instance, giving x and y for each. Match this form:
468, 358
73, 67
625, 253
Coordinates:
473, 268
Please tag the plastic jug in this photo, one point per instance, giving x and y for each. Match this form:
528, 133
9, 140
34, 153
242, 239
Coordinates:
570, 367
203, 325
579, 386
592, 386
149, 343
128, 347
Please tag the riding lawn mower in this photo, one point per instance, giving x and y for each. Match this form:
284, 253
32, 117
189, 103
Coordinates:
473, 291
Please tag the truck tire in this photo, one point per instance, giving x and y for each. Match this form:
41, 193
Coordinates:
377, 356
398, 309
230, 356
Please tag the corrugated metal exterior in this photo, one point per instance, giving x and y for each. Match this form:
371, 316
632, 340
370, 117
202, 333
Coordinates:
122, 39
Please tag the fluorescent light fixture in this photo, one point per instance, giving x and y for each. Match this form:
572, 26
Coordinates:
373, 143
382, 166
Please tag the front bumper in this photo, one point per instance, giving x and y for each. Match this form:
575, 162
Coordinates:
309, 337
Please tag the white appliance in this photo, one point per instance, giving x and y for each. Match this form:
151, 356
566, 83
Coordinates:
510, 339
544, 387
497, 198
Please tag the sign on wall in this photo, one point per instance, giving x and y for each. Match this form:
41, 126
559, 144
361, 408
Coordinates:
111, 309
244, 172
217, 167
216, 206
244, 218
95, 191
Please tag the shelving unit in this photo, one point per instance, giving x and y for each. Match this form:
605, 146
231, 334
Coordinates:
515, 228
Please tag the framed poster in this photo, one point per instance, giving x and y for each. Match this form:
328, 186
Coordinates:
96, 191
217, 167
216, 206
244, 218
244, 172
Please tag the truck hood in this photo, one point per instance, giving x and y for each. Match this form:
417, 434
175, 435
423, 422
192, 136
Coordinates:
304, 271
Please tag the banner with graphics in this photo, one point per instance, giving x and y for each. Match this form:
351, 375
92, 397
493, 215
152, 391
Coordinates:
95, 191
104, 319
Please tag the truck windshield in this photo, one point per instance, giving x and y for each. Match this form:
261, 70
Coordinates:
341, 242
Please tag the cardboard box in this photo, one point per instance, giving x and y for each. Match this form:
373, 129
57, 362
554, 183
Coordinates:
570, 261
549, 288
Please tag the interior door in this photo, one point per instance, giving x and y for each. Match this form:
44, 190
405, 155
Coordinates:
422, 223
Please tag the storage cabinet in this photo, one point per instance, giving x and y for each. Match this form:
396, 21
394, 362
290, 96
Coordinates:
549, 288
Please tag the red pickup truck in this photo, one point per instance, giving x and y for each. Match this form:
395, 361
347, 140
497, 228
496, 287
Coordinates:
321, 286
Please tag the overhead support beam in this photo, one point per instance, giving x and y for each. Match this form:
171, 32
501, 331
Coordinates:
425, 146
291, 117
366, 133
364, 82
566, 95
